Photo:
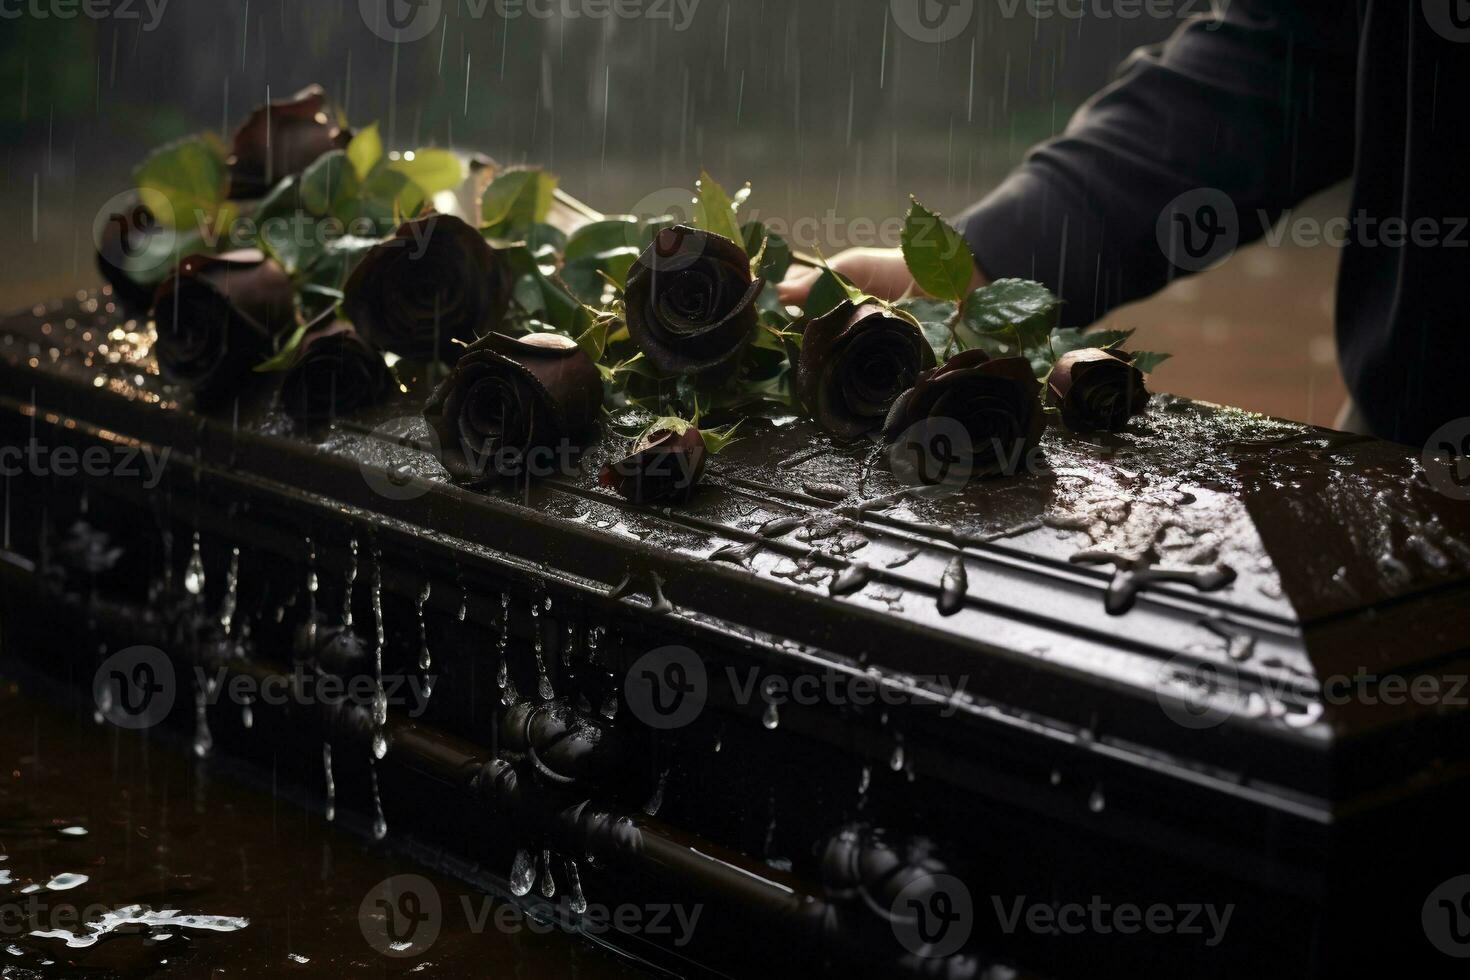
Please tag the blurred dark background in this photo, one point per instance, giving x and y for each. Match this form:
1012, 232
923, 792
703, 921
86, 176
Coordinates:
830, 107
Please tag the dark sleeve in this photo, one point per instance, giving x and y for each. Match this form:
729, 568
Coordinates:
1249, 110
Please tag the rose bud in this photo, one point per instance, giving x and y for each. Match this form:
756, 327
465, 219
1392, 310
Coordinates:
280, 140
121, 236
217, 316
510, 397
855, 362
434, 282
666, 463
691, 303
997, 402
1096, 390
334, 372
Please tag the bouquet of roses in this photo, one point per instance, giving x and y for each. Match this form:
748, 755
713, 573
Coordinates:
307, 254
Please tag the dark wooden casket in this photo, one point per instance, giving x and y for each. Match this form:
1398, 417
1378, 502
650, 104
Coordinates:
862, 730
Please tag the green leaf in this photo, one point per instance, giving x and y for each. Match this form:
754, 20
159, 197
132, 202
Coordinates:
594, 339
718, 440
585, 276
933, 317
1148, 361
432, 170
365, 151
185, 184
774, 264
605, 236
516, 200
713, 209
283, 357
1024, 312
938, 258
1070, 339
326, 180
831, 288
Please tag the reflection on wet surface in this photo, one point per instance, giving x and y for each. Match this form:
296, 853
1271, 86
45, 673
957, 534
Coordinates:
121, 856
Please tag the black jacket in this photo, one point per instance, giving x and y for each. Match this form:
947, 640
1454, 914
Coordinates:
1205, 141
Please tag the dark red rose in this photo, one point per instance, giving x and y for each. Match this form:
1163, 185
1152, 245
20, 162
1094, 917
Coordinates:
855, 362
218, 316
1096, 390
434, 282
691, 302
280, 140
997, 402
122, 236
511, 397
666, 463
335, 372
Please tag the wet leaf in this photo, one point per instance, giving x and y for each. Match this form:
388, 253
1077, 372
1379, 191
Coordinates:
938, 258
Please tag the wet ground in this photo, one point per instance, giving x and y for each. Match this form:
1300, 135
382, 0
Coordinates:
121, 856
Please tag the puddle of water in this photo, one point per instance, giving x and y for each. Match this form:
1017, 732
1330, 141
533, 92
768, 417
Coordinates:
122, 856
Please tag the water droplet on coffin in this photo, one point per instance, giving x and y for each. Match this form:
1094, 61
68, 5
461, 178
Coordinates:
953, 587
380, 745
522, 873
772, 718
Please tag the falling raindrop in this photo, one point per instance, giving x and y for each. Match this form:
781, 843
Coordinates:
247, 715
203, 739
1056, 777
380, 822
232, 592
426, 660
772, 718
380, 745
576, 899
351, 581
865, 780
522, 873
544, 689
896, 761
656, 801
194, 571
331, 782
548, 883
1097, 802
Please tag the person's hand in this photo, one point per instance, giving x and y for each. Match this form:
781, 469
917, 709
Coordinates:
880, 272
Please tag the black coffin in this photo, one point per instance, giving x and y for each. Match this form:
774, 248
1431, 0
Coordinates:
1214, 663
